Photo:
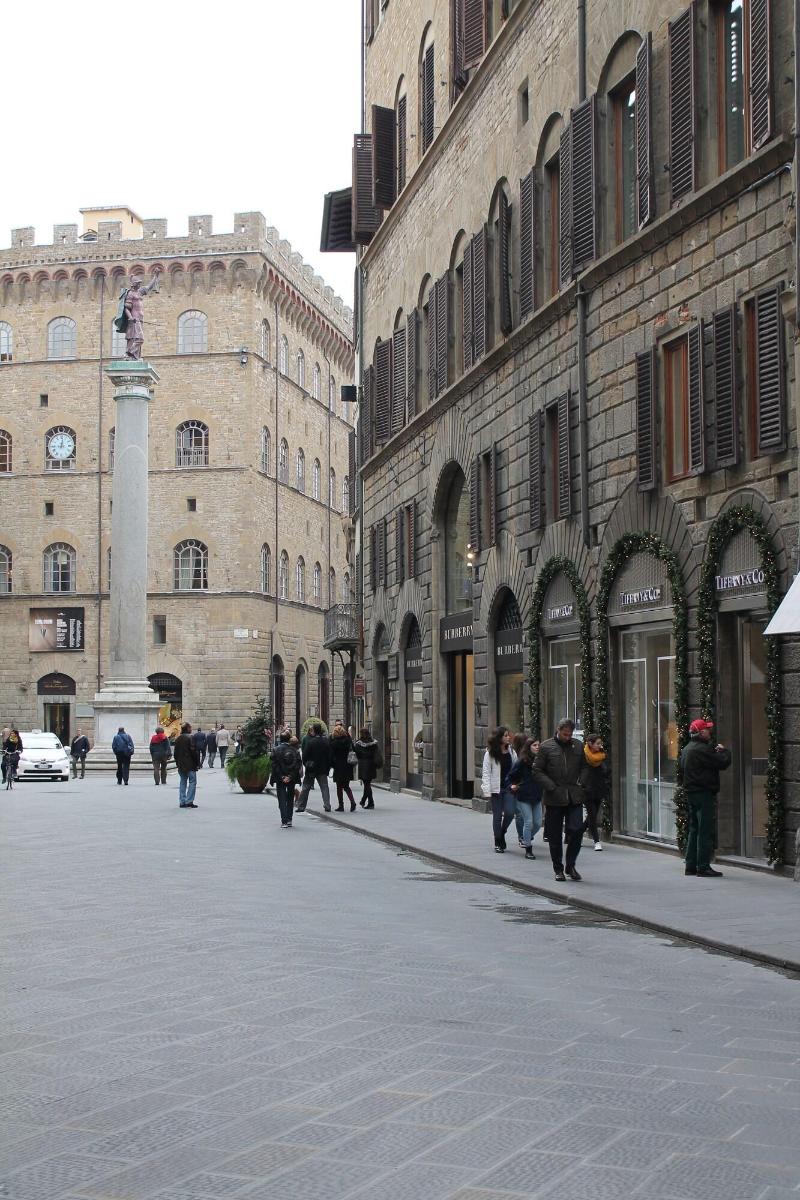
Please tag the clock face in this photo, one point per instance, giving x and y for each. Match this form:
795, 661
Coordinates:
61, 445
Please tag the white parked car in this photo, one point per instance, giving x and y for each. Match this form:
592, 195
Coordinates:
42, 756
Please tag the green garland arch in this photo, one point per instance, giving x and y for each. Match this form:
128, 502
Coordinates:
727, 524
551, 568
628, 545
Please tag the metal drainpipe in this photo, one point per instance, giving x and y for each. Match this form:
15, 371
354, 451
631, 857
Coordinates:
100, 488
331, 598
277, 548
582, 302
796, 34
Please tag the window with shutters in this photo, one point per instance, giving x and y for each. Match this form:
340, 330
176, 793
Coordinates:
682, 104
457, 314
457, 546
384, 156
382, 363
765, 374
550, 471
731, 81
487, 498
499, 319
401, 128
427, 91
470, 25
399, 373
617, 144
426, 349
624, 118
676, 409
551, 224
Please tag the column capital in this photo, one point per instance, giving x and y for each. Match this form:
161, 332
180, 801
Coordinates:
131, 374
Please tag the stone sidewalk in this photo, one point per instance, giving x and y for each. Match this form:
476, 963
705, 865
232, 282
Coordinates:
751, 913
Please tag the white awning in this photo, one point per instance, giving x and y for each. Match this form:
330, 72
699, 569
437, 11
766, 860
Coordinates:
787, 616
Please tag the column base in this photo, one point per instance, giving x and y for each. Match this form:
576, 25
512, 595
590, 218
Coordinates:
132, 704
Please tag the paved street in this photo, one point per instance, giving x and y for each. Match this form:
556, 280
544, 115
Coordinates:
199, 1005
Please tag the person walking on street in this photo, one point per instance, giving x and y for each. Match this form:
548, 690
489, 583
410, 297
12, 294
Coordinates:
498, 760
343, 758
594, 780
316, 752
199, 740
286, 771
161, 753
223, 741
370, 761
557, 767
122, 746
527, 795
79, 748
211, 745
699, 768
187, 761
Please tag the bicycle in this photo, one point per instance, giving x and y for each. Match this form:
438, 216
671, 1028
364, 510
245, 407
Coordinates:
10, 762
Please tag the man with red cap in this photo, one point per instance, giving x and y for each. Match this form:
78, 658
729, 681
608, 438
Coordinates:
700, 766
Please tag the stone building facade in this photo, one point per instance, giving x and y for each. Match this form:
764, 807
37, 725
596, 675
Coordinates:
250, 449
579, 442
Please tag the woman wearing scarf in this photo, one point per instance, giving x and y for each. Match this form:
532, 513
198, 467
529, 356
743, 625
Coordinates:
594, 780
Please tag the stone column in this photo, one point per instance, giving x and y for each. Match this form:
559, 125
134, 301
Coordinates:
126, 698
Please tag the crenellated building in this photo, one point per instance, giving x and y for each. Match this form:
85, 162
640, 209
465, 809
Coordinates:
250, 475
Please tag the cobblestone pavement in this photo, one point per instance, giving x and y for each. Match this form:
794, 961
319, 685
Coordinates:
199, 1005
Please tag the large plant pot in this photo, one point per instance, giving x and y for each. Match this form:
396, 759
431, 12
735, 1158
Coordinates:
252, 784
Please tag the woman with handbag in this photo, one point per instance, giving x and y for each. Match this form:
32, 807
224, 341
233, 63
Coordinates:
370, 761
343, 759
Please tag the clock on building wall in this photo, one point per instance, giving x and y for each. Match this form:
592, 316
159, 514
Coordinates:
61, 445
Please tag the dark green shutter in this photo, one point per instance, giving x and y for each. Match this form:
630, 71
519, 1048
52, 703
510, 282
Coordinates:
646, 420
770, 373
645, 200
697, 415
681, 74
527, 245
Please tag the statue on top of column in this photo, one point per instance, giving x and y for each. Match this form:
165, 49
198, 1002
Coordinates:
130, 315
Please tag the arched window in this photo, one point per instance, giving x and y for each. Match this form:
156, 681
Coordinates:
301, 369
283, 365
191, 566
346, 588
278, 691
346, 494
5, 569
62, 338
300, 580
316, 473
266, 344
332, 394
60, 449
332, 490
300, 471
317, 583
456, 531
283, 461
617, 109
6, 342
5, 452
324, 692
317, 381
300, 696
547, 212
283, 576
191, 444
112, 435
119, 343
266, 570
192, 332
426, 354
331, 586
499, 315
266, 450
59, 568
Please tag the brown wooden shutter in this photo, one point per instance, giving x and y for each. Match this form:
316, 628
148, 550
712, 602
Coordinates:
645, 200
384, 163
475, 505
383, 391
681, 105
474, 31
381, 533
366, 217
373, 557
428, 100
504, 264
351, 471
697, 414
412, 334
646, 420
494, 472
582, 175
368, 415
384, 553
564, 458
402, 138
466, 306
442, 330
760, 42
369, 20
337, 222
535, 431
399, 380
726, 399
432, 323
770, 373
460, 77
411, 532
527, 245
565, 205
399, 555
479, 248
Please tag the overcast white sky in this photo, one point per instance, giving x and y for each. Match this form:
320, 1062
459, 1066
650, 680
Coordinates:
199, 108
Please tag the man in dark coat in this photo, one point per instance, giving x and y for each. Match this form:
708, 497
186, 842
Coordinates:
79, 748
122, 746
187, 761
200, 742
316, 753
211, 745
698, 770
286, 770
557, 767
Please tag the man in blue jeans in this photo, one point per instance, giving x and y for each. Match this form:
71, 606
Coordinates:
187, 759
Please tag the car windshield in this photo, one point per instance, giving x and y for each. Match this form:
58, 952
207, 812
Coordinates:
40, 741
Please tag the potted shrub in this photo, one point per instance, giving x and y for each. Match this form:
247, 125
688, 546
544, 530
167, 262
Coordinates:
250, 768
309, 721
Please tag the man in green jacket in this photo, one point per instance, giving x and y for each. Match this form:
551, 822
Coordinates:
699, 768
557, 769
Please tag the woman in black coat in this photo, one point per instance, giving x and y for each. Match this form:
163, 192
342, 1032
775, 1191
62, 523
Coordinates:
370, 760
341, 747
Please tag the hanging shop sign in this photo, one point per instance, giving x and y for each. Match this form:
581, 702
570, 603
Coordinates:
56, 629
508, 646
412, 667
359, 688
392, 667
455, 633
